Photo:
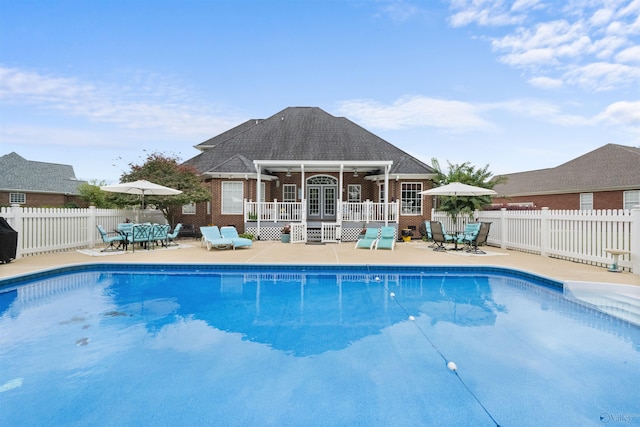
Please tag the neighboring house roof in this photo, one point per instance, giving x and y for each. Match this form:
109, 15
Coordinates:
610, 167
19, 174
299, 133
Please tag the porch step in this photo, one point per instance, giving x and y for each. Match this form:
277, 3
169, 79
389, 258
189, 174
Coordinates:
314, 235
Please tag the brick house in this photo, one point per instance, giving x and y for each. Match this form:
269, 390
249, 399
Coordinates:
605, 178
313, 170
37, 184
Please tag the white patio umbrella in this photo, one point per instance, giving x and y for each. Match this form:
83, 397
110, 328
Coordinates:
459, 189
142, 187
456, 189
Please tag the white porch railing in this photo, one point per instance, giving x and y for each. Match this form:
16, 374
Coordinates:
579, 235
362, 212
368, 211
274, 211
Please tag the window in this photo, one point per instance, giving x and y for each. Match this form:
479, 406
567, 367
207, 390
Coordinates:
189, 209
289, 193
381, 193
232, 196
411, 199
586, 201
17, 198
354, 193
630, 199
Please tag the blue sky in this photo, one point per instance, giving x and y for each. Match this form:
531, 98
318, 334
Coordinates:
518, 85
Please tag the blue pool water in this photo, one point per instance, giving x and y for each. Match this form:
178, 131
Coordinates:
121, 345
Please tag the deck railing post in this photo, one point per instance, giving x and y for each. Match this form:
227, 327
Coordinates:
504, 228
93, 223
634, 246
544, 231
18, 226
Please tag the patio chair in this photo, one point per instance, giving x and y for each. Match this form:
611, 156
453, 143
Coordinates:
469, 234
231, 233
387, 238
171, 237
111, 238
211, 238
481, 239
369, 240
425, 232
440, 238
140, 233
159, 233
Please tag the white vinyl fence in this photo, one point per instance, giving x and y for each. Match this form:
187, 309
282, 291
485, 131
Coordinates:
46, 230
580, 235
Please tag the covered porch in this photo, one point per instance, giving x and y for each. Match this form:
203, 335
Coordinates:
324, 208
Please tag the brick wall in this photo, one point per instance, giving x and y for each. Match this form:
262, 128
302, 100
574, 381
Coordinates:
601, 200
41, 200
370, 191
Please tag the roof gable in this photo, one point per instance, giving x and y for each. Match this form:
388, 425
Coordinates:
19, 174
610, 167
302, 133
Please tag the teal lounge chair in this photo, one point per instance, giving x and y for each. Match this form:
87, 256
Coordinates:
112, 239
211, 238
232, 234
387, 238
369, 240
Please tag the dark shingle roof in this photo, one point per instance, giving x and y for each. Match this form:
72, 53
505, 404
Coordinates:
300, 133
19, 174
610, 167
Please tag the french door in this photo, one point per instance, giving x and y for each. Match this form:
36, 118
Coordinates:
321, 198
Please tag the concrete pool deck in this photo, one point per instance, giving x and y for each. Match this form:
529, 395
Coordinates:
274, 252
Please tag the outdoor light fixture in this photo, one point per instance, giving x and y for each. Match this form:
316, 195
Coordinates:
288, 172
355, 173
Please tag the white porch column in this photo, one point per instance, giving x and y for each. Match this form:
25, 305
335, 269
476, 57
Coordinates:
303, 199
340, 191
258, 202
386, 195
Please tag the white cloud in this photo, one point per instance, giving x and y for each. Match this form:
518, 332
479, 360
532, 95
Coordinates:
545, 82
489, 12
629, 55
601, 17
541, 110
565, 42
156, 105
398, 10
602, 76
622, 113
416, 111
43, 135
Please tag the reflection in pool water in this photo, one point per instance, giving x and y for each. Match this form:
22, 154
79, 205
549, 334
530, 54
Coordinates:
305, 345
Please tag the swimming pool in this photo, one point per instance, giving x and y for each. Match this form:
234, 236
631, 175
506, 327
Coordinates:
110, 344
